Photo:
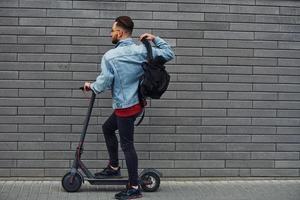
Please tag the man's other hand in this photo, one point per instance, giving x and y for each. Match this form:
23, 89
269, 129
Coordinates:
148, 36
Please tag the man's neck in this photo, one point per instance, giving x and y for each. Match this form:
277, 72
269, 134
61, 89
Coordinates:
122, 41
125, 37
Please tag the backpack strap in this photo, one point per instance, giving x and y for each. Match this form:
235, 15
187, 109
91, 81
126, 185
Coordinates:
149, 59
149, 49
142, 117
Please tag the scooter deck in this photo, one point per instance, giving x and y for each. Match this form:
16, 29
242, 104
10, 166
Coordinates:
108, 181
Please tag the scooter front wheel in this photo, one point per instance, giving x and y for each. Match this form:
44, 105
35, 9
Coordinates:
150, 181
71, 182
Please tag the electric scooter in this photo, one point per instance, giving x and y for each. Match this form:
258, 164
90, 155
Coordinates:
149, 179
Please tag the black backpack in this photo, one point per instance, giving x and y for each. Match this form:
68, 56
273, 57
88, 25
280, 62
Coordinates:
155, 80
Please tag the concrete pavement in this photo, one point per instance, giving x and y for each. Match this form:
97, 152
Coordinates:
195, 189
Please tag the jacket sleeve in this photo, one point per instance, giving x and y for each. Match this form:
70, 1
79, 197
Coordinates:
105, 79
162, 49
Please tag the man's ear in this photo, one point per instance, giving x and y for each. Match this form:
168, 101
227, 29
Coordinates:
120, 34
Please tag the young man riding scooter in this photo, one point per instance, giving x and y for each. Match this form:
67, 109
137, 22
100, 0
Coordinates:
120, 72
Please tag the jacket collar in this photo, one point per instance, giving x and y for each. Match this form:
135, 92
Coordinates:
124, 42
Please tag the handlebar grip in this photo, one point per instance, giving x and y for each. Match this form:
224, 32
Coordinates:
81, 88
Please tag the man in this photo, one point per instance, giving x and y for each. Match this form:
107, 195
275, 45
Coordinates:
120, 72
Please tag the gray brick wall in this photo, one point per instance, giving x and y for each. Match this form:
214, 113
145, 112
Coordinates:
232, 108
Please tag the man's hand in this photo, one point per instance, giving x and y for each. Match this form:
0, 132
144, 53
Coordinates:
87, 86
148, 36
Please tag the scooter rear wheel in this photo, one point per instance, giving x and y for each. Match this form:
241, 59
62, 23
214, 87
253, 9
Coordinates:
71, 183
150, 181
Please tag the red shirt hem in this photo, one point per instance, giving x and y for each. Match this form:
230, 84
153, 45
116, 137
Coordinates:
128, 112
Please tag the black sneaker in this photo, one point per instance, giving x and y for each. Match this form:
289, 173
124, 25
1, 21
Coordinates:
123, 192
130, 193
108, 172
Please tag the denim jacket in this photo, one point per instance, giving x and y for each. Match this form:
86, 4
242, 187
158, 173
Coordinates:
121, 70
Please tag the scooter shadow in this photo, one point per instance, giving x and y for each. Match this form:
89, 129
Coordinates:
99, 188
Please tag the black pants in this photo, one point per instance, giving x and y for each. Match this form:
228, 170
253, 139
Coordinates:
125, 125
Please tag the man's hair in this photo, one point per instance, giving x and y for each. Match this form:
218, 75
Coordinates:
125, 22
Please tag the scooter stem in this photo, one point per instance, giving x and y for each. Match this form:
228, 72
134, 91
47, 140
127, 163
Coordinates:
86, 121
